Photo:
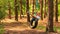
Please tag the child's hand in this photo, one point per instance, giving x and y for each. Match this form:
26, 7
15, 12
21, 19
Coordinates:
34, 16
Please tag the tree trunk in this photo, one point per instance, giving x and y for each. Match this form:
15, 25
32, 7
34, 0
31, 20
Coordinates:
56, 10
33, 7
50, 16
16, 12
45, 9
20, 9
27, 10
9, 9
0, 21
41, 8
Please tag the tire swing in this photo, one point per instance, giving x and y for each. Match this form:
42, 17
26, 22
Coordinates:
34, 24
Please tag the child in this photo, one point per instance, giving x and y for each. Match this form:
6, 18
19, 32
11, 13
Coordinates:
35, 18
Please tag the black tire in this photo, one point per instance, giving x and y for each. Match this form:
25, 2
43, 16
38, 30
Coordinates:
35, 25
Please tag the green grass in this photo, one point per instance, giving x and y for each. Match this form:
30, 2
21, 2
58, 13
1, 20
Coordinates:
57, 29
1, 29
41, 28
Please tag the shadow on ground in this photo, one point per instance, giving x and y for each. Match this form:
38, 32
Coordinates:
24, 32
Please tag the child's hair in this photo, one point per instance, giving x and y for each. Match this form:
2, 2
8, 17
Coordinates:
38, 13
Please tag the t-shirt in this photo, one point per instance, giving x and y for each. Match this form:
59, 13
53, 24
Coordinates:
38, 17
35, 14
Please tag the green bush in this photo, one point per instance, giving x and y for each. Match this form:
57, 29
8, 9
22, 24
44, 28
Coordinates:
2, 15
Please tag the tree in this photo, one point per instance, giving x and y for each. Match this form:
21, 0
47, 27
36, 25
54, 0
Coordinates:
56, 10
33, 7
20, 8
50, 16
41, 8
45, 9
9, 9
16, 12
23, 4
27, 10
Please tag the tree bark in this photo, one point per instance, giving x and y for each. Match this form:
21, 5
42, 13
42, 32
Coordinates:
41, 8
20, 9
50, 16
33, 7
16, 12
9, 9
27, 10
45, 14
56, 10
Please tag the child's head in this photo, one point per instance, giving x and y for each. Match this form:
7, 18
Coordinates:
38, 13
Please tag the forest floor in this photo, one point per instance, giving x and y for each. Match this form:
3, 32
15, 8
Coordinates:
22, 27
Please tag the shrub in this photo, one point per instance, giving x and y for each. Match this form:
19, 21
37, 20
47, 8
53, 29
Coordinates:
2, 13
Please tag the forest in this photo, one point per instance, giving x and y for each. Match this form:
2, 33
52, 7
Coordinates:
29, 16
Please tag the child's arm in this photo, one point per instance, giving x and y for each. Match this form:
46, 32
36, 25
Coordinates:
33, 15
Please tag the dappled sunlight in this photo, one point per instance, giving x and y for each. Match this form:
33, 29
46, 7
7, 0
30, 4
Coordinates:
30, 16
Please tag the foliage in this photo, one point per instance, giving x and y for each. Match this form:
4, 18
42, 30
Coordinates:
1, 29
37, 5
3, 7
59, 9
2, 13
4, 4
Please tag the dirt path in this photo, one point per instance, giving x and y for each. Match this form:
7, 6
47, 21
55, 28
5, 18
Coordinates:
13, 27
20, 28
26, 31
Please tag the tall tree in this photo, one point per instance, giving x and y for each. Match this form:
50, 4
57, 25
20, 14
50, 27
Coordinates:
9, 9
50, 16
16, 12
27, 10
45, 9
56, 10
41, 8
20, 8
33, 7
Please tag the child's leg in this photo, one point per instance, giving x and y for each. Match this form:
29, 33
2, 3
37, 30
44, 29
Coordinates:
36, 22
33, 19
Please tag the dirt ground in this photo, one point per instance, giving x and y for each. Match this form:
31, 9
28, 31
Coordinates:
21, 26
